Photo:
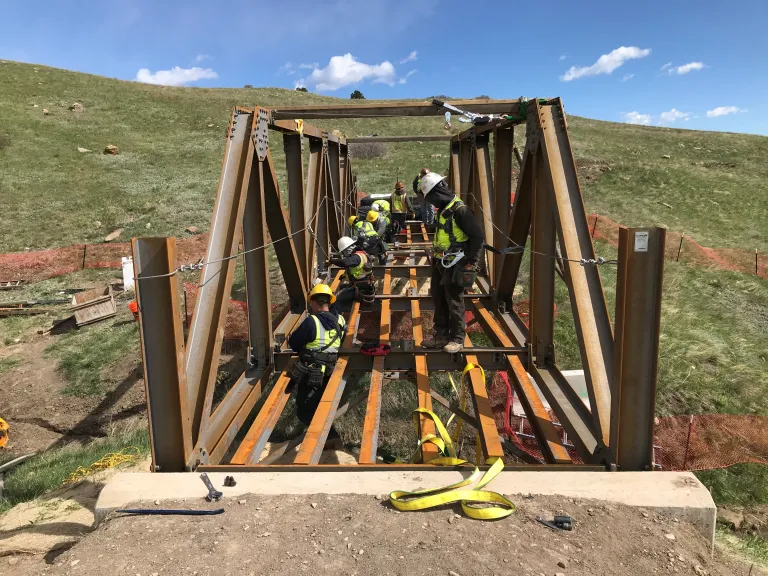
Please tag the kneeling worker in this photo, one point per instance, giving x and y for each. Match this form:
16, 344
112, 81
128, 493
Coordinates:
457, 247
317, 341
358, 269
363, 232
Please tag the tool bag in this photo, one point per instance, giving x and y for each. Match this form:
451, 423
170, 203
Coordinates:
464, 277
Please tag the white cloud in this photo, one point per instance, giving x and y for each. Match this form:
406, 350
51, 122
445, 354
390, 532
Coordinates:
724, 111
607, 63
203, 57
672, 115
311, 66
627, 77
410, 58
346, 70
405, 78
286, 68
176, 76
563, 57
684, 69
636, 118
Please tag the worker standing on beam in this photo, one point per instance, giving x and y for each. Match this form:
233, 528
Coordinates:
456, 250
401, 206
358, 270
317, 341
427, 210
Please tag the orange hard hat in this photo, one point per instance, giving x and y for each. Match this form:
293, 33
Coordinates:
399, 186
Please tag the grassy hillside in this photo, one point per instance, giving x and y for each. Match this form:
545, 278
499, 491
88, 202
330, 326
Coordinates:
172, 140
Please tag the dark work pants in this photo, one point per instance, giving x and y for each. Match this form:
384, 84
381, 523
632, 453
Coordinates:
448, 298
308, 399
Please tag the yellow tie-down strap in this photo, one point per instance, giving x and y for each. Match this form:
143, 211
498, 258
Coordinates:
475, 502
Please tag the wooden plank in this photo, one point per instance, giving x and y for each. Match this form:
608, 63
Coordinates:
256, 438
370, 441
489, 435
541, 423
317, 433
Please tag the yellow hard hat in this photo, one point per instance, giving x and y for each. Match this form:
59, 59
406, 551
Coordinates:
351, 220
3, 432
372, 216
322, 289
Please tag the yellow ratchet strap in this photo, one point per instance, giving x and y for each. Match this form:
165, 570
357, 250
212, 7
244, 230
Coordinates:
475, 502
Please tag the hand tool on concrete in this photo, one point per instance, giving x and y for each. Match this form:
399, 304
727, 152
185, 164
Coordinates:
213, 494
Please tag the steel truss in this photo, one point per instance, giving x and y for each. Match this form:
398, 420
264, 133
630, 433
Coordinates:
620, 364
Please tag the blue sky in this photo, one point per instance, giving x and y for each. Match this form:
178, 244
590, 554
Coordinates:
692, 64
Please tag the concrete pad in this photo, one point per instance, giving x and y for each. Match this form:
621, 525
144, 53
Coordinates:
677, 494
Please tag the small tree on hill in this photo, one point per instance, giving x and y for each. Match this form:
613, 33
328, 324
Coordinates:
357, 95
301, 89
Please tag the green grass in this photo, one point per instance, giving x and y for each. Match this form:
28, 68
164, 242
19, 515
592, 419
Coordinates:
49, 470
740, 485
751, 548
9, 363
85, 355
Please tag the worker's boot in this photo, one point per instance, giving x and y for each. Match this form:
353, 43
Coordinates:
453, 346
435, 343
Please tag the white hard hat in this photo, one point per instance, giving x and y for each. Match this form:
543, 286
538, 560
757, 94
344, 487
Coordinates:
375, 207
345, 242
429, 181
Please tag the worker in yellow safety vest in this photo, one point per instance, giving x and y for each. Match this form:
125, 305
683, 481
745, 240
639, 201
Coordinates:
401, 207
317, 341
362, 232
358, 270
383, 208
380, 247
457, 247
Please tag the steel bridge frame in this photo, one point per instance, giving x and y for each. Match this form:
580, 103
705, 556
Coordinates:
620, 364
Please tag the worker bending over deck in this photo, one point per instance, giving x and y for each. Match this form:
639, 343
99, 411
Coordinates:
379, 249
317, 341
363, 233
358, 270
456, 250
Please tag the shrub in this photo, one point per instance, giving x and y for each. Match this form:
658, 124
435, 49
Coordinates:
368, 150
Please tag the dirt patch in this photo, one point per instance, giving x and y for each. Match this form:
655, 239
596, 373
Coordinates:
41, 416
591, 170
361, 535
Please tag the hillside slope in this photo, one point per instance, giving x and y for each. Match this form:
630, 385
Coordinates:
713, 187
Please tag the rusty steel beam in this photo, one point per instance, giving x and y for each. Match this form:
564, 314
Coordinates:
489, 435
161, 334
312, 199
290, 127
484, 194
454, 172
465, 169
590, 311
207, 327
256, 438
543, 428
393, 110
370, 441
283, 241
636, 352
256, 268
519, 227
224, 426
325, 210
504, 141
390, 468
317, 433
424, 138
332, 185
542, 266
294, 167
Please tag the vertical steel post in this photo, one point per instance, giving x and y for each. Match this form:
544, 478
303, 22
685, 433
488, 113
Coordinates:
324, 211
484, 193
257, 272
294, 166
162, 349
312, 199
636, 350
335, 199
504, 140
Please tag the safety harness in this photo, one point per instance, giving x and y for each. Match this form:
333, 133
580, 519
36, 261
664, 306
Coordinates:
444, 222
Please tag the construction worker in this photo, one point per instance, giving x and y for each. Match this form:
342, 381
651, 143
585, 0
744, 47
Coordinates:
379, 249
365, 205
457, 247
316, 340
383, 207
401, 207
363, 232
427, 210
358, 269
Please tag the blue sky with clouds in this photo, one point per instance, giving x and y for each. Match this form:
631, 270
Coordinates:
693, 64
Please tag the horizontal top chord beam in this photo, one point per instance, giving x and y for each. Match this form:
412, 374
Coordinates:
390, 109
